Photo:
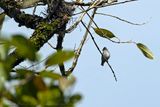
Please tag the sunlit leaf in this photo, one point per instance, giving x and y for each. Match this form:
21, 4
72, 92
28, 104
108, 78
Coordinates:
104, 33
145, 50
2, 17
65, 83
50, 75
49, 97
24, 47
59, 57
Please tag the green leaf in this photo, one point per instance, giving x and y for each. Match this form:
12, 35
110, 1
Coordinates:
2, 17
59, 57
50, 75
3, 76
104, 33
49, 97
24, 47
75, 98
145, 50
29, 100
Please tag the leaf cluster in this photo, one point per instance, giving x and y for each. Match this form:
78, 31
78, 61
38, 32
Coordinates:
33, 87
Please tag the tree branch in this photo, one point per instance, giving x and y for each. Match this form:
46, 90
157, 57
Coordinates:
41, 35
12, 10
59, 48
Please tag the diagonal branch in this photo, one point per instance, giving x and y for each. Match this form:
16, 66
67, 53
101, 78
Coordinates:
78, 52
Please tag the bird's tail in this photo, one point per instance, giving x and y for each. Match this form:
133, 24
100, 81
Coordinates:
102, 63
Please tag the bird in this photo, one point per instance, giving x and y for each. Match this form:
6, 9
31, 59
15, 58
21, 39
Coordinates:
105, 56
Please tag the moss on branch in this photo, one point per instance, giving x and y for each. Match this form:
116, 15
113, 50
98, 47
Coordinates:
41, 35
12, 9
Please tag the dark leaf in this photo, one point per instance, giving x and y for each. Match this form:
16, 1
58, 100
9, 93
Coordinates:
145, 50
39, 83
75, 98
2, 17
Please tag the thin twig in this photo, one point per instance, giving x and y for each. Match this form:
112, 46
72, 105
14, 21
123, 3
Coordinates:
72, 27
34, 9
78, 52
106, 5
116, 17
51, 45
91, 37
91, 3
102, 32
37, 63
112, 71
90, 17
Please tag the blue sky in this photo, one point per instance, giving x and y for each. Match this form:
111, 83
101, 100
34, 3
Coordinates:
138, 77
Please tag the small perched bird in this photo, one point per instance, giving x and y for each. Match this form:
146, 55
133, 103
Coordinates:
105, 56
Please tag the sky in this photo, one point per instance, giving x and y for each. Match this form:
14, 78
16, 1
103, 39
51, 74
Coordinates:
138, 77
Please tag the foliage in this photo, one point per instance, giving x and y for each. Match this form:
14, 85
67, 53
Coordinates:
45, 87
33, 88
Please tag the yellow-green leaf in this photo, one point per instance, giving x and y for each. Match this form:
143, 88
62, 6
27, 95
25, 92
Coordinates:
52, 75
104, 33
59, 57
145, 50
29, 100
